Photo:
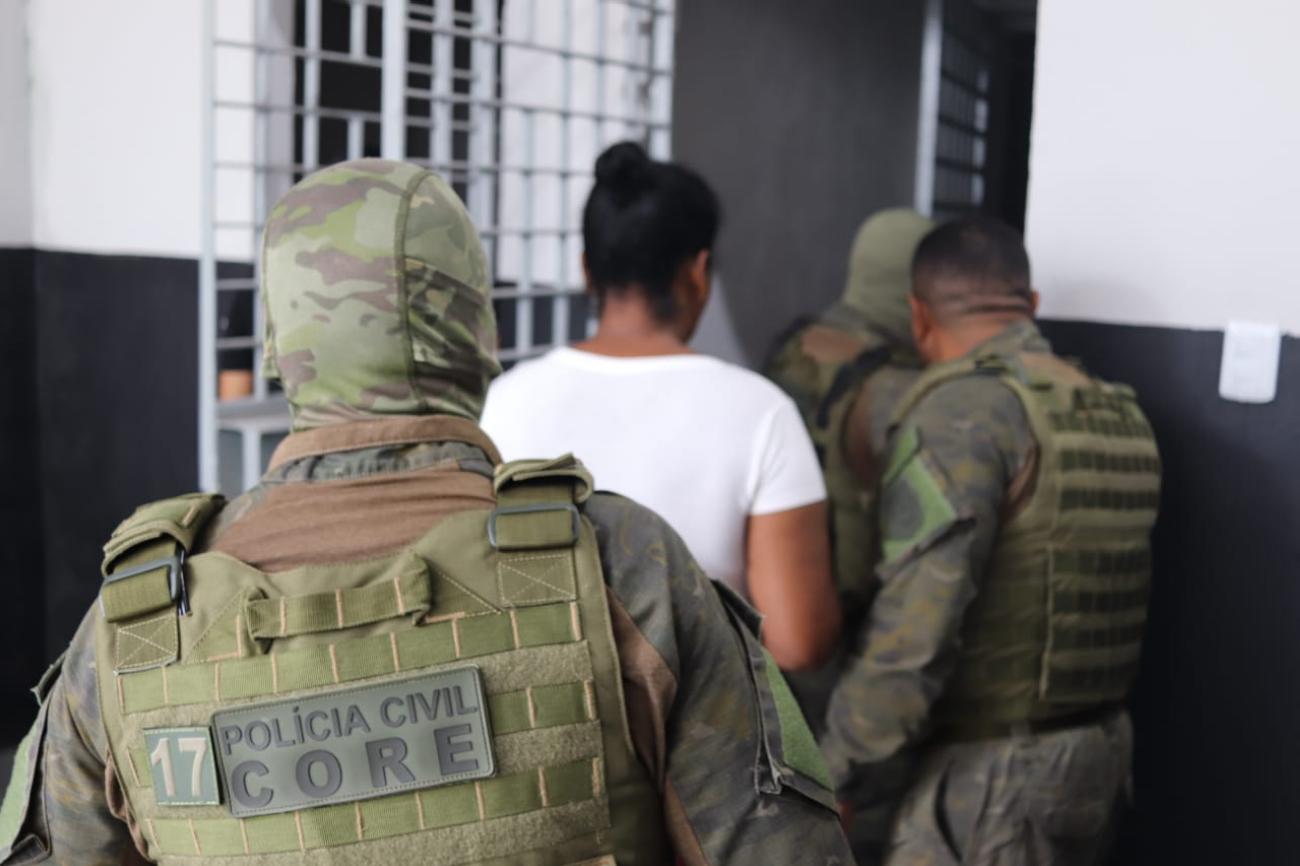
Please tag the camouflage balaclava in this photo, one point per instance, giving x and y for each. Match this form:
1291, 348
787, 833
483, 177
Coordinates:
377, 301
880, 271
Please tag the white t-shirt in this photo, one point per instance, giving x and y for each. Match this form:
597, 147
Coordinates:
702, 442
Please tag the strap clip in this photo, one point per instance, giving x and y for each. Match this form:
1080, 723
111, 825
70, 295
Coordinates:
175, 578
537, 508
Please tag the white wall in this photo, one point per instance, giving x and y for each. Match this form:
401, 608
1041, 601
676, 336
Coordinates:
15, 152
1165, 162
115, 124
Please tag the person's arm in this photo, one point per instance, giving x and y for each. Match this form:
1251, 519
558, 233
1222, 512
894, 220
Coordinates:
942, 491
741, 779
787, 543
60, 802
788, 567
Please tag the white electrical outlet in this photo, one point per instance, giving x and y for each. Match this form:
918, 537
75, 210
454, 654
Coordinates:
1251, 353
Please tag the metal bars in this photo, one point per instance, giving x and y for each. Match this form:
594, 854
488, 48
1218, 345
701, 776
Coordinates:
509, 100
960, 145
576, 76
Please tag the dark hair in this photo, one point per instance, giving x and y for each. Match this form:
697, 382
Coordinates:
975, 264
642, 220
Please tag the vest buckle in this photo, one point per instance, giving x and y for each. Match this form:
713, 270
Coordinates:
175, 565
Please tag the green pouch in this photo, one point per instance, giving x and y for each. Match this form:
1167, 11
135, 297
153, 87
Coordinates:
789, 757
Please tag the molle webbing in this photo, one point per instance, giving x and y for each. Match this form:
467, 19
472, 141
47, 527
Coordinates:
533, 619
1057, 625
409, 593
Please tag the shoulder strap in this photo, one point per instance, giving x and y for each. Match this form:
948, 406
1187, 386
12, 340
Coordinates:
847, 377
941, 374
778, 344
143, 558
537, 503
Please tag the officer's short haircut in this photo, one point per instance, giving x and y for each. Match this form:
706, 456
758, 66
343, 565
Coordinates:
973, 265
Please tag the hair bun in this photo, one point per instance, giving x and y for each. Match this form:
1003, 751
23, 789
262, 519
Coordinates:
624, 168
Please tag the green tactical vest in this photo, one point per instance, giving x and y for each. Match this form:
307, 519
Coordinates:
1057, 625
824, 394
457, 702
851, 504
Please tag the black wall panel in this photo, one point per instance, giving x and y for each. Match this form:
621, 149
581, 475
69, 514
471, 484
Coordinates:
1216, 706
22, 630
116, 372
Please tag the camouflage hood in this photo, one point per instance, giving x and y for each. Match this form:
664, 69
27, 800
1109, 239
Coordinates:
880, 272
377, 301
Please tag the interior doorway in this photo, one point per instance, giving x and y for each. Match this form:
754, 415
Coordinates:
977, 106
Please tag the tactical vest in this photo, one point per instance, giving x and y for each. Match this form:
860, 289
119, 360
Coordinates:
457, 702
851, 503
1057, 625
824, 394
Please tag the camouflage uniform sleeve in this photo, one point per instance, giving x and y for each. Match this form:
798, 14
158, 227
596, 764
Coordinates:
62, 807
711, 718
944, 484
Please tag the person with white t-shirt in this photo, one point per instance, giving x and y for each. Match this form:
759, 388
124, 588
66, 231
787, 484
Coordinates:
717, 450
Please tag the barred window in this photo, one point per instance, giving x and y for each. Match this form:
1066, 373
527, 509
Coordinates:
509, 100
961, 137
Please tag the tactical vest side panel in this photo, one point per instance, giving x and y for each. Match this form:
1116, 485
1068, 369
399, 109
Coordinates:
1088, 526
825, 388
530, 614
1058, 622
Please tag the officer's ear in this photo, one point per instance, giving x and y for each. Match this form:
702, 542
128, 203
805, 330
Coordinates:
1033, 303
924, 328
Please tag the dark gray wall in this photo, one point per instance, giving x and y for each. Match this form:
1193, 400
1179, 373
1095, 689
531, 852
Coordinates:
1215, 708
116, 363
803, 117
21, 553
98, 414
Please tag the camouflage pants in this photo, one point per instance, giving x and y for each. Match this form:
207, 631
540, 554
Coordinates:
1045, 800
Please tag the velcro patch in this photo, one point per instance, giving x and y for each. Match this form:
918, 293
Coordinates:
914, 505
184, 773
536, 578
355, 744
147, 643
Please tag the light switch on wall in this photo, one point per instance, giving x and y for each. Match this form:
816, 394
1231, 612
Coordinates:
1251, 353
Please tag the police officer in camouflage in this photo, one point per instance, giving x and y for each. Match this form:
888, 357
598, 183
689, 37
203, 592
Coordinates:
395, 649
845, 371
983, 720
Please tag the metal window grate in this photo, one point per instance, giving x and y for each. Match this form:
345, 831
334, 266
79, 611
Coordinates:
510, 100
961, 133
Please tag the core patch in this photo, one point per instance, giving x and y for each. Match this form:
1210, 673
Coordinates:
354, 744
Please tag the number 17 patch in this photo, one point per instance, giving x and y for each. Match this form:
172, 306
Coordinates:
183, 768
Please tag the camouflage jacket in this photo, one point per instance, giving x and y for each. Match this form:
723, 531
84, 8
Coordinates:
973, 432
697, 690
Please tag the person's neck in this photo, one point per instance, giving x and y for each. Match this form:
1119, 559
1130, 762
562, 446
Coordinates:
628, 328
973, 332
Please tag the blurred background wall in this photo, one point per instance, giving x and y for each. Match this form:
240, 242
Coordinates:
771, 106
1154, 144
1162, 206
